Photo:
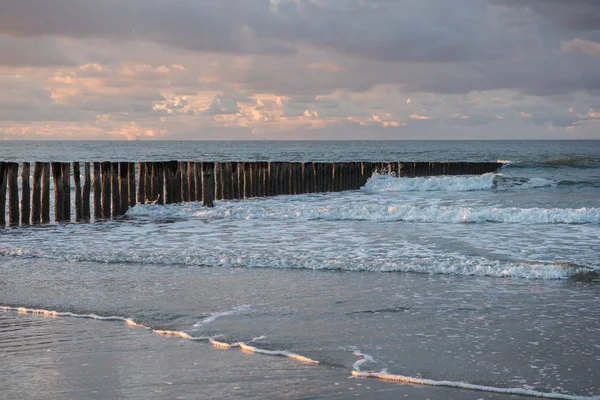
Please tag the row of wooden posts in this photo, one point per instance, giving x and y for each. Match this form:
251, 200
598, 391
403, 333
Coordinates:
114, 183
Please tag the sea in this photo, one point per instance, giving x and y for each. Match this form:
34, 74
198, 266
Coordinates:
444, 287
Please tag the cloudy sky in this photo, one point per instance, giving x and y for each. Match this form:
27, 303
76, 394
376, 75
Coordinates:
299, 69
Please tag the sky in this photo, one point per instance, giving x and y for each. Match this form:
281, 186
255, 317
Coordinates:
299, 69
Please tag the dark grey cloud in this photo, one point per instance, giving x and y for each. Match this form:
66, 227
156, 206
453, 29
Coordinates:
579, 15
433, 30
434, 45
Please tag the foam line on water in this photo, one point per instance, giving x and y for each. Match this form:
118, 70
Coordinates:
389, 183
386, 210
234, 311
384, 375
164, 332
356, 372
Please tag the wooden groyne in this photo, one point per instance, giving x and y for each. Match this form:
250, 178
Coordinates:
108, 189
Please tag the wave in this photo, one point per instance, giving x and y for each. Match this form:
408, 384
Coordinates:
371, 211
355, 372
573, 162
388, 183
423, 263
386, 376
180, 334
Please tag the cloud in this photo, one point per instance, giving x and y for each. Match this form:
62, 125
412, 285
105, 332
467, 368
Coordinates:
572, 14
173, 68
32, 52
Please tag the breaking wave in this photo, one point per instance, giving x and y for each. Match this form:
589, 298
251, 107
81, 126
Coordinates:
371, 211
387, 183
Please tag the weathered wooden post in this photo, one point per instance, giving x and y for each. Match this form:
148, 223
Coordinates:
141, 194
198, 180
234, 180
59, 215
124, 185
66, 181
25, 194
46, 193
114, 187
191, 168
106, 196
78, 196
226, 172
151, 182
97, 190
3, 182
170, 171
131, 184
13, 194
185, 185
36, 198
264, 178
208, 183
218, 180
87, 184
247, 180
286, 175
161, 183
148, 182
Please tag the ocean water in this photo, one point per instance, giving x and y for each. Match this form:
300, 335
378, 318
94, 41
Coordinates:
435, 287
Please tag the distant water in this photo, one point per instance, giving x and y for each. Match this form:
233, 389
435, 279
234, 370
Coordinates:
485, 280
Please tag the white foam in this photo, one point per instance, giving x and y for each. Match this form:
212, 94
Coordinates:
384, 211
384, 375
180, 334
356, 372
388, 183
407, 258
234, 311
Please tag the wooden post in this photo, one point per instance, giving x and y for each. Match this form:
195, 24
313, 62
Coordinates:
185, 184
271, 184
272, 181
131, 183
264, 176
161, 183
208, 183
247, 180
114, 188
191, 171
3, 182
98, 191
218, 181
254, 180
25, 194
124, 185
307, 176
13, 194
235, 182
286, 177
198, 180
59, 215
141, 194
106, 197
148, 182
170, 171
46, 193
66, 181
87, 184
78, 196
151, 189
226, 172
36, 198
